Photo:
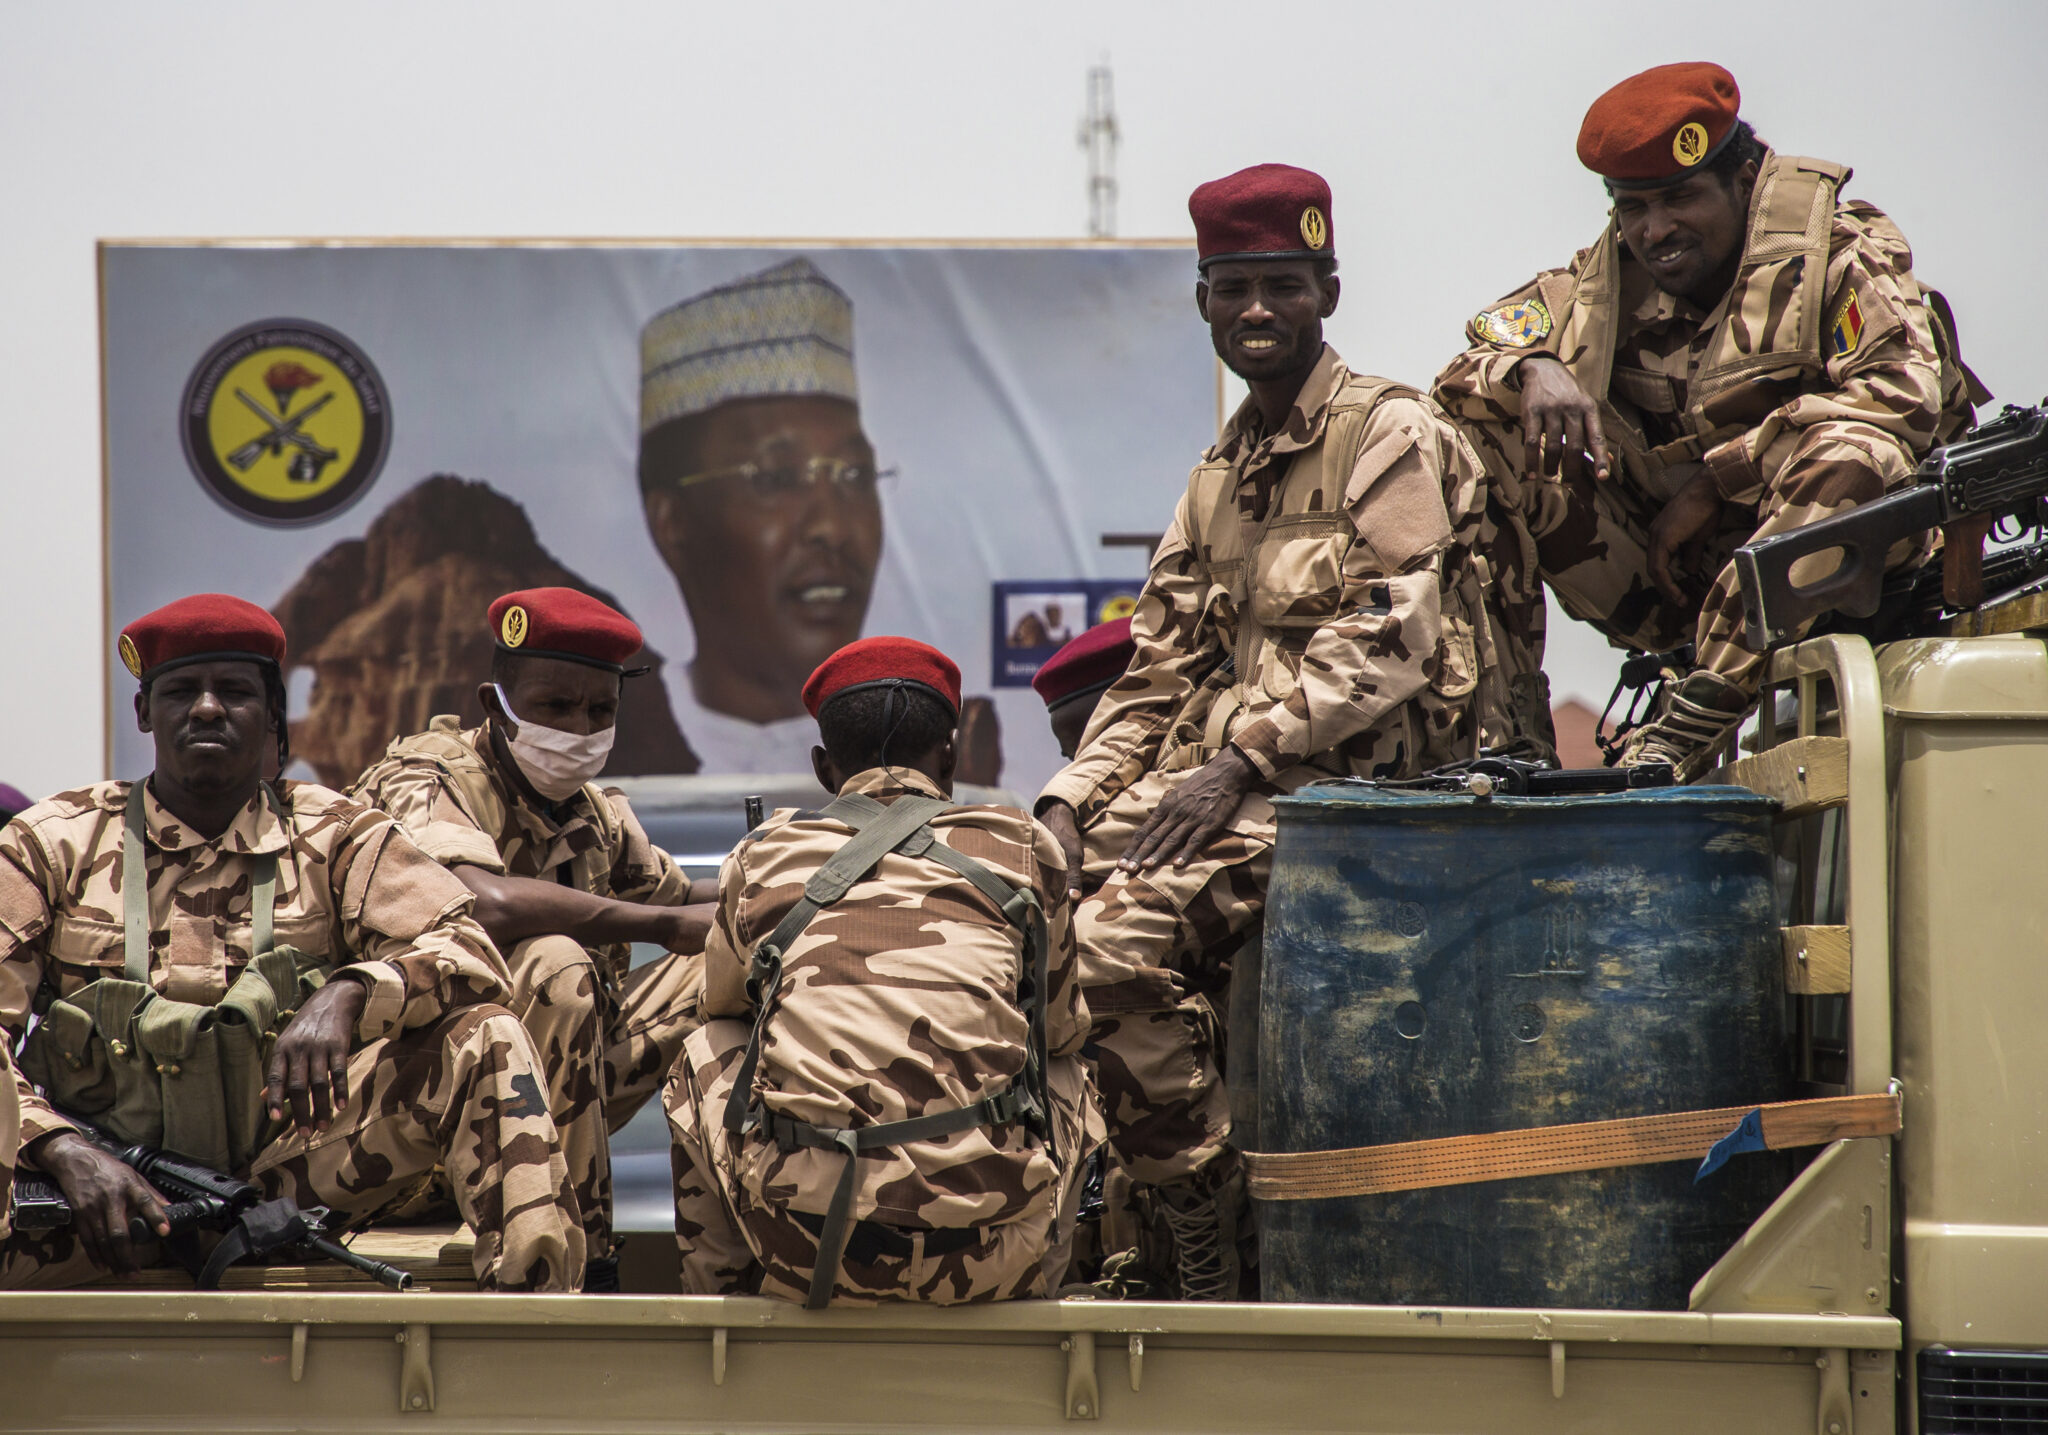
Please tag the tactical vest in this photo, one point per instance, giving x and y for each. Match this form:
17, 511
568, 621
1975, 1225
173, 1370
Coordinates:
185, 1077
1281, 577
902, 826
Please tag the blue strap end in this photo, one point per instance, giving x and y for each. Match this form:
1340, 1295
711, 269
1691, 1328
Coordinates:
1748, 1135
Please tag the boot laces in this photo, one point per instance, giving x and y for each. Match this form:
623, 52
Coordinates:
1197, 1229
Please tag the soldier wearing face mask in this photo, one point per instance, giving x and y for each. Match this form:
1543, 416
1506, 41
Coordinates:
565, 878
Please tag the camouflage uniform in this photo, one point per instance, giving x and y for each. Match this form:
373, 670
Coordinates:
1320, 605
606, 1035
442, 1076
1817, 383
10, 1138
897, 1001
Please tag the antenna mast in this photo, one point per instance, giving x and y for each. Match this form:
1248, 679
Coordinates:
1098, 136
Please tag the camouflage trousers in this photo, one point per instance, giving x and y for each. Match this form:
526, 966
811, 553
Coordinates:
1153, 949
1592, 539
733, 1243
603, 1054
10, 1134
462, 1094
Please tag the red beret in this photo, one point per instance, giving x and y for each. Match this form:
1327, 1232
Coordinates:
1087, 665
1270, 211
564, 623
195, 629
872, 662
1657, 127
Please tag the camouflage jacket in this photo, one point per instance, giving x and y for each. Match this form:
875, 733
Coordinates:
351, 888
1317, 603
452, 796
1825, 327
897, 1001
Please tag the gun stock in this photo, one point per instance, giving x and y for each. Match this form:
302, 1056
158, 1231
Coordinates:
1775, 606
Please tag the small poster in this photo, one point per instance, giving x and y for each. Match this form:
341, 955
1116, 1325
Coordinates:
1032, 620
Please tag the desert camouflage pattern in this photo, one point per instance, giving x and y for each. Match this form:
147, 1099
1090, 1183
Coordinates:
897, 1001
606, 1035
10, 1137
1321, 603
1802, 399
442, 1076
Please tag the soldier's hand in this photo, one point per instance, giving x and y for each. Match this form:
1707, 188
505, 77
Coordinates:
309, 1069
1560, 422
1687, 518
1060, 821
687, 927
104, 1195
1192, 814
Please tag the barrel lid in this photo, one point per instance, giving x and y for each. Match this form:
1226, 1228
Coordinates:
1342, 795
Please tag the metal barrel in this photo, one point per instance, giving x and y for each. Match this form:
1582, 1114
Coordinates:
1443, 965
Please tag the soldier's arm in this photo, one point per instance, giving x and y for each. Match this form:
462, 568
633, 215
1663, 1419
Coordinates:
1174, 642
1480, 384
1066, 1009
28, 890
726, 950
1882, 404
1380, 648
407, 920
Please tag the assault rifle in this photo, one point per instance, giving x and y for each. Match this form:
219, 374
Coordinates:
1996, 471
1497, 775
202, 1199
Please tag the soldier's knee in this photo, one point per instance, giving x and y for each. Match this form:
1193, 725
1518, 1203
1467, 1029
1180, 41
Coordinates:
543, 961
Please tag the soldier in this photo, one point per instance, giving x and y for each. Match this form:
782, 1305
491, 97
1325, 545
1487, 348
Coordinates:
1740, 353
564, 877
10, 1137
1315, 610
886, 1100
1073, 680
204, 950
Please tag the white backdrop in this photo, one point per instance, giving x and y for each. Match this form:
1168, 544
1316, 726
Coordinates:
1446, 133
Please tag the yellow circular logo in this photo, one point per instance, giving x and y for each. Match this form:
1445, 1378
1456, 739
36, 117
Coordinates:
1689, 145
1122, 605
130, 658
512, 627
1315, 230
285, 421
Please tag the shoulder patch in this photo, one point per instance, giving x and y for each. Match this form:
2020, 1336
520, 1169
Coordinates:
1514, 326
1845, 328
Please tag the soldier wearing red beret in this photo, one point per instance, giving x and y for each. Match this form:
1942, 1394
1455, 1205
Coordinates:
1073, 680
1311, 612
886, 1101
564, 876
1741, 352
153, 921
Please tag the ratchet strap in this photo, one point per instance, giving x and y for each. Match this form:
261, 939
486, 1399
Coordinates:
1584, 1146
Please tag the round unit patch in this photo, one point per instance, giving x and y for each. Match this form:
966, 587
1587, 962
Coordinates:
1315, 230
1514, 326
512, 627
1689, 145
285, 422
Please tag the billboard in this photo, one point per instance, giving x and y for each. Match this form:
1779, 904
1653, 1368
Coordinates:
759, 452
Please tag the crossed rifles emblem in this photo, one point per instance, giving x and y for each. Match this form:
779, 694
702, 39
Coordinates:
285, 429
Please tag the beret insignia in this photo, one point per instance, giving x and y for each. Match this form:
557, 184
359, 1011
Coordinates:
1315, 230
130, 658
512, 627
1689, 145
1514, 326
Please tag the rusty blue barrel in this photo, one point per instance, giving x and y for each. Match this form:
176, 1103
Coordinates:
1444, 965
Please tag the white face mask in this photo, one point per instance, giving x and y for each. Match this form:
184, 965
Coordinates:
556, 762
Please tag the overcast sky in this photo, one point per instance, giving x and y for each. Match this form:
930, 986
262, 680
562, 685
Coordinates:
1446, 133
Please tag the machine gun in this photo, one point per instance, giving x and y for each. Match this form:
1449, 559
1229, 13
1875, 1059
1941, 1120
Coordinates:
202, 1199
1498, 775
1996, 471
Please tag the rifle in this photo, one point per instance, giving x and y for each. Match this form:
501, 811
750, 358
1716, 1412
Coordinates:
1996, 471
202, 1199
1491, 775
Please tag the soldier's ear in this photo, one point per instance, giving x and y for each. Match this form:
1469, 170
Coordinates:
1332, 287
827, 773
1202, 299
949, 759
141, 711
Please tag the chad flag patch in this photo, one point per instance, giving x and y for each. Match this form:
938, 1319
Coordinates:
1845, 329
1514, 326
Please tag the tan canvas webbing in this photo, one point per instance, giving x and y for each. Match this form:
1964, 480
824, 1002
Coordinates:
1551, 1150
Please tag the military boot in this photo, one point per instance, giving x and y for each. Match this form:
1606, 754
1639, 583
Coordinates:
1204, 1226
1694, 717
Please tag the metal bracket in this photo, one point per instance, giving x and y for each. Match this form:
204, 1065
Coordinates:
1557, 1370
1084, 1394
299, 1334
416, 1370
1833, 1414
1137, 1360
718, 1339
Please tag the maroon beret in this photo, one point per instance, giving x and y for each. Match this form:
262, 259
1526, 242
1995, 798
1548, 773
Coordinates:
1270, 211
1657, 127
564, 623
874, 662
1087, 665
201, 628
